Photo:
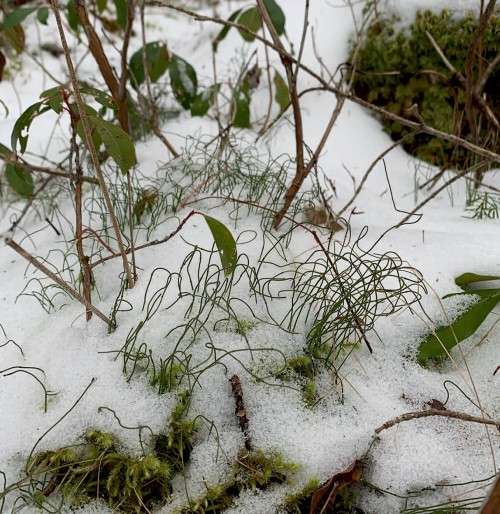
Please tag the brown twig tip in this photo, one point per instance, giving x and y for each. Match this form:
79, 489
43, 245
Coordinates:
240, 410
437, 412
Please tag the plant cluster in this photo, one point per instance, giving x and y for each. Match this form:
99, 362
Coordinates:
402, 71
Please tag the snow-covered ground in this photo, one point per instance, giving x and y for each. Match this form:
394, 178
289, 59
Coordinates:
327, 438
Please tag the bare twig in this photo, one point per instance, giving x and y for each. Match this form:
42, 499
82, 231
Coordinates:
240, 410
61, 283
90, 144
297, 114
436, 412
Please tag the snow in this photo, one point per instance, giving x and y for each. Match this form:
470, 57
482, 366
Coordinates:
323, 440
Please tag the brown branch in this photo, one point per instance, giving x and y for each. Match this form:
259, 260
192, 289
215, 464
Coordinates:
287, 62
33, 168
156, 242
89, 142
85, 270
97, 51
492, 505
436, 412
240, 410
61, 283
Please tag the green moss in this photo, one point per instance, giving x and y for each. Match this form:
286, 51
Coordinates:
176, 445
299, 502
98, 469
301, 368
253, 470
401, 70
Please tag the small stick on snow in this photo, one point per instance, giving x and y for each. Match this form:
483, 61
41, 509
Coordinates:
437, 412
240, 410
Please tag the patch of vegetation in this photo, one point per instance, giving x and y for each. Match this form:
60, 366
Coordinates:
301, 367
98, 469
253, 470
403, 72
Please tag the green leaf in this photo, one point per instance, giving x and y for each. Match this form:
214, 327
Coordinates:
101, 5
184, 81
431, 348
157, 59
121, 13
281, 95
203, 101
224, 32
98, 95
117, 142
19, 180
241, 117
252, 21
54, 98
17, 16
470, 278
72, 15
42, 15
277, 16
482, 293
23, 123
225, 244
16, 37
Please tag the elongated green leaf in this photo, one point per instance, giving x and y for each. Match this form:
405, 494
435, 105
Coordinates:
19, 180
42, 15
184, 80
121, 13
431, 348
241, 116
277, 16
225, 244
281, 95
116, 141
157, 59
72, 15
252, 21
470, 278
17, 16
224, 32
482, 293
203, 100
23, 123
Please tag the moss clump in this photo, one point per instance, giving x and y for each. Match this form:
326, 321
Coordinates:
98, 470
402, 72
175, 447
253, 470
301, 367
299, 502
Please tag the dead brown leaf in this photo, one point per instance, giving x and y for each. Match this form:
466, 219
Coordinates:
323, 499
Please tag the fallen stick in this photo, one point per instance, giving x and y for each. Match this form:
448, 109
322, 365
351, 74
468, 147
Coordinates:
436, 412
240, 410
